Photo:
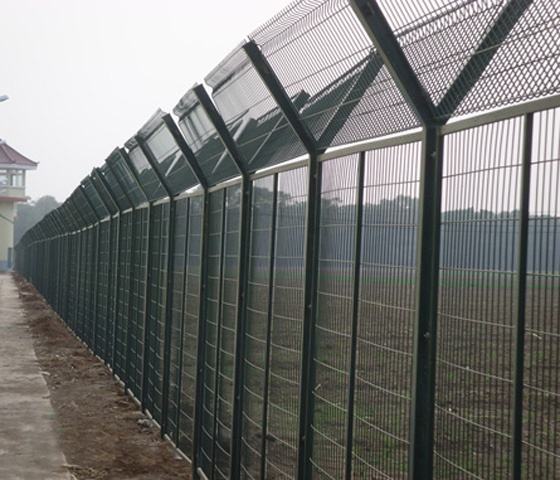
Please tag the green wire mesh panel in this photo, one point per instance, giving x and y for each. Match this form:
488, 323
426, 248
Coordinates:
74, 280
102, 288
385, 329
52, 259
261, 131
146, 175
212, 312
226, 334
220, 325
190, 355
286, 330
155, 320
334, 308
137, 299
123, 295
319, 49
171, 163
79, 319
542, 347
89, 285
112, 311
178, 274
476, 308
201, 136
257, 321
129, 193
65, 293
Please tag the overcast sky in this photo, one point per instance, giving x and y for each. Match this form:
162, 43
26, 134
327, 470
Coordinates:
84, 75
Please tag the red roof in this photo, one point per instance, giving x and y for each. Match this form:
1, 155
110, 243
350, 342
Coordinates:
9, 156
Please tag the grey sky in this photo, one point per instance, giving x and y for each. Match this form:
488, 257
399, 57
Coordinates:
84, 75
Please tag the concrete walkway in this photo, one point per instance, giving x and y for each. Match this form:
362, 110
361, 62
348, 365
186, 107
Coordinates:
28, 444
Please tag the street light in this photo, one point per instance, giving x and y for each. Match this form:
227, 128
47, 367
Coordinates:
3, 98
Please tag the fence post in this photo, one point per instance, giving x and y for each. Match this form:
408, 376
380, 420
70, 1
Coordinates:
200, 350
269, 313
244, 226
305, 441
145, 296
93, 257
355, 313
199, 174
521, 290
169, 283
427, 275
100, 195
116, 256
184, 284
277, 91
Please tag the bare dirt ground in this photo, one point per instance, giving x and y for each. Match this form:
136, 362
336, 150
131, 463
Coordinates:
101, 430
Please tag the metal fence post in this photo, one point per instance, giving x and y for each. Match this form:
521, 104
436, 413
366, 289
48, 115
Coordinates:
244, 225
114, 259
305, 440
169, 284
130, 262
146, 293
182, 328
277, 91
269, 313
521, 291
200, 351
427, 275
199, 174
355, 313
93, 257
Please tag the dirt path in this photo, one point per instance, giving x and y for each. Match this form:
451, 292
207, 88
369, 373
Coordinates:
102, 432
29, 449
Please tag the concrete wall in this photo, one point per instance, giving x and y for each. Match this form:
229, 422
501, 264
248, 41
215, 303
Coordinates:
7, 210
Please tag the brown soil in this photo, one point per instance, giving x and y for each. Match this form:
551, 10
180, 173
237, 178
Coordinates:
101, 430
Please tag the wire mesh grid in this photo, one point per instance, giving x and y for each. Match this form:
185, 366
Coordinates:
260, 129
286, 330
257, 326
95, 199
201, 136
227, 333
320, 49
178, 273
155, 319
81, 290
90, 285
189, 353
135, 369
123, 294
480, 217
102, 288
212, 320
171, 163
109, 280
385, 329
112, 312
334, 308
118, 168
80, 319
541, 436
147, 178
525, 43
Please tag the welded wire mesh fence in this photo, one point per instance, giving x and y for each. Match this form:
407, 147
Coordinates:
313, 273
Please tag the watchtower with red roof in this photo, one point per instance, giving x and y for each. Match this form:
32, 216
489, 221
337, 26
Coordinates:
13, 167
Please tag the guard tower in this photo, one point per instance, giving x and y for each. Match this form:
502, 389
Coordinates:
13, 166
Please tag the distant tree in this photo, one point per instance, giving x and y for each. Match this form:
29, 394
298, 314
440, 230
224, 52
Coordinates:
28, 214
